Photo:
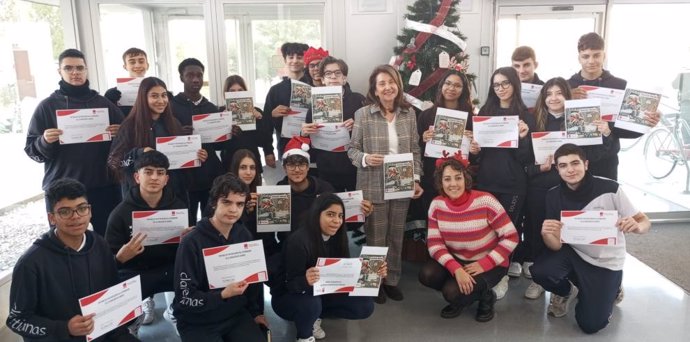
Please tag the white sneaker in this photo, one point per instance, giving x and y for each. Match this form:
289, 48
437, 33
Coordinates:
134, 327
168, 316
310, 339
149, 314
559, 306
534, 291
525, 269
317, 331
515, 269
501, 288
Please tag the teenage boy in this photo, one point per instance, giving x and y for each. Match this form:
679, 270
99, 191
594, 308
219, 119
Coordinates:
225, 314
524, 61
66, 263
136, 63
153, 263
312, 59
596, 270
184, 105
85, 162
277, 103
591, 55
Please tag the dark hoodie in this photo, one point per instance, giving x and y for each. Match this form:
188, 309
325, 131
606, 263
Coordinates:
119, 231
85, 162
536, 80
301, 202
196, 304
279, 94
48, 281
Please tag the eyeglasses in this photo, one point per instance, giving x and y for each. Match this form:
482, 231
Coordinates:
452, 85
293, 167
329, 74
505, 84
74, 69
66, 213
313, 65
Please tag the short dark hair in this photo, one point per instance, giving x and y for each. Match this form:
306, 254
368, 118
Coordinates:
295, 159
568, 149
64, 188
188, 62
455, 165
232, 80
288, 49
224, 185
591, 41
522, 53
73, 53
332, 60
151, 158
131, 52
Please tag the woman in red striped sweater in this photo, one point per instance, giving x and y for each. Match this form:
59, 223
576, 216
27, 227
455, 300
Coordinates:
470, 239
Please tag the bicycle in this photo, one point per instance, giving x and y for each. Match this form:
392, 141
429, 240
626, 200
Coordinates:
667, 147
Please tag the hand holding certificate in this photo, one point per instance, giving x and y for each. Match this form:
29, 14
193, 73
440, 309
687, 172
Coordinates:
449, 128
113, 307
327, 104
373, 259
181, 150
353, 205
83, 125
579, 121
234, 263
241, 105
632, 111
337, 275
160, 226
609, 100
589, 227
545, 144
496, 131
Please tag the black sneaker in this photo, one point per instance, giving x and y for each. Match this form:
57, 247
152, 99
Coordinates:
381, 298
485, 310
451, 311
393, 292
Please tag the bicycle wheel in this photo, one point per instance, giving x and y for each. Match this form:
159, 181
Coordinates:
661, 153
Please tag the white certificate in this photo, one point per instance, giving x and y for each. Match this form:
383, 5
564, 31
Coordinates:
292, 123
449, 128
128, 87
233, 263
181, 150
579, 121
530, 93
160, 226
610, 100
353, 205
632, 112
241, 105
273, 208
369, 280
331, 137
589, 227
337, 275
114, 306
496, 131
83, 125
398, 176
545, 144
327, 104
213, 127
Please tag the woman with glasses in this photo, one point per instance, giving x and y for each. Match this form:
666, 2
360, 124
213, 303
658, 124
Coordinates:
501, 170
386, 126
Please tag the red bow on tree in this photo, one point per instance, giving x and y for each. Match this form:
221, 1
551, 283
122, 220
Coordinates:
457, 156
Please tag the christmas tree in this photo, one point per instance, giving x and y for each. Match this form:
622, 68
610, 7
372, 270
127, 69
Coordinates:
422, 41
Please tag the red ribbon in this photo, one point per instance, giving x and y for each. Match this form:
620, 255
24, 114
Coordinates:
422, 37
428, 82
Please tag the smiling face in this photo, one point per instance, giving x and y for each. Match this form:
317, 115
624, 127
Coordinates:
193, 79
572, 169
313, 68
331, 219
294, 63
74, 225
296, 169
592, 62
333, 76
247, 170
503, 88
555, 100
229, 208
453, 182
452, 88
157, 100
136, 65
73, 71
386, 88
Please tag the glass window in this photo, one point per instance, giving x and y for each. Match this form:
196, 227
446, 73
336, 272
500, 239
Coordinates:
187, 40
116, 38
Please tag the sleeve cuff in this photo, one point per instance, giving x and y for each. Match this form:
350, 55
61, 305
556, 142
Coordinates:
364, 160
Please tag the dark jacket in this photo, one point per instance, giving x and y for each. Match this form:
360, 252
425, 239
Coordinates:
85, 162
536, 80
338, 162
114, 96
48, 280
279, 94
262, 137
184, 109
119, 230
301, 202
196, 304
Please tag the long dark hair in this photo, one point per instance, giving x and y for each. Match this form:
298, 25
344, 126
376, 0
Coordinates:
313, 226
399, 101
493, 103
237, 158
464, 101
136, 130
541, 111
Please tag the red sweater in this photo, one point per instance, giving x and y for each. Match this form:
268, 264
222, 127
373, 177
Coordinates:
473, 228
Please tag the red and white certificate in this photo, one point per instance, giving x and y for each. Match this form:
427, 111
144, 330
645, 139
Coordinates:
589, 227
496, 131
128, 87
353, 205
530, 94
114, 306
233, 263
545, 144
83, 125
331, 137
611, 100
160, 226
337, 275
213, 127
181, 150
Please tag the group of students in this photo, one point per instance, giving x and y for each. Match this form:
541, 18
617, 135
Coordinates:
486, 215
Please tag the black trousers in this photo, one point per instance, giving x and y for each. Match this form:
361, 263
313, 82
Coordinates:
437, 277
513, 205
240, 328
